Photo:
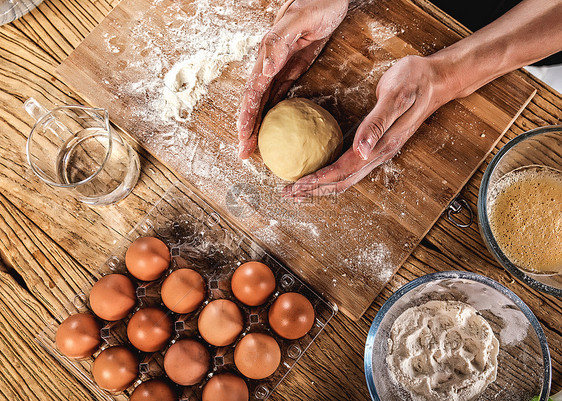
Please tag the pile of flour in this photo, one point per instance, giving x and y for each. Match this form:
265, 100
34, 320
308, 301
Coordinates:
189, 79
442, 350
178, 49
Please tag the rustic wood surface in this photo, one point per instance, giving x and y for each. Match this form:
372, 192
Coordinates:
49, 244
393, 207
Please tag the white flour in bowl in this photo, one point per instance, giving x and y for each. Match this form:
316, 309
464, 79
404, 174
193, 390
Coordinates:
442, 350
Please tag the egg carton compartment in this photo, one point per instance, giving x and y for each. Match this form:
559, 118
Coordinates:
200, 239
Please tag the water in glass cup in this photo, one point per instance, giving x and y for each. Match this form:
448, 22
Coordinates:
75, 148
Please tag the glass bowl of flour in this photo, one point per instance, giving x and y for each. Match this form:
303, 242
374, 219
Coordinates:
456, 336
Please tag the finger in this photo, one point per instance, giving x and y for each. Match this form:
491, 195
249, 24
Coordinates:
248, 145
276, 52
349, 169
333, 179
327, 177
299, 63
295, 67
252, 100
388, 109
276, 47
281, 42
393, 139
282, 11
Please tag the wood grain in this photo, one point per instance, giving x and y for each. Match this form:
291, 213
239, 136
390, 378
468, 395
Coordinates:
382, 218
21, 315
77, 237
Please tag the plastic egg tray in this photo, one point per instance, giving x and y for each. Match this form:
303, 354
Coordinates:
198, 238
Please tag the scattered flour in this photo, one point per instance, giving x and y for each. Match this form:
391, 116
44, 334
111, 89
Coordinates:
388, 172
109, 43
309, 228
380, 33
374, 258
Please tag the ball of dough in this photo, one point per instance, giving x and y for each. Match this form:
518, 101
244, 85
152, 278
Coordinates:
298, 137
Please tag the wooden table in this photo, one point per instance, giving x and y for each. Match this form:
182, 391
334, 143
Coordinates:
49, 243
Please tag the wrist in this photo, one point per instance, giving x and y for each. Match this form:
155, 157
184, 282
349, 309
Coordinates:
450, 69
516, 39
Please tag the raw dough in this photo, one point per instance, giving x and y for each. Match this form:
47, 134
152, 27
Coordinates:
442, 350
297, 137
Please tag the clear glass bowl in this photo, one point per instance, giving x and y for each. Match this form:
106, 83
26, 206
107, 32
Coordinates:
542, 147
524, 368
11, 10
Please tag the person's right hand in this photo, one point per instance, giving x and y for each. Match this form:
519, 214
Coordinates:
407, 94
299, 33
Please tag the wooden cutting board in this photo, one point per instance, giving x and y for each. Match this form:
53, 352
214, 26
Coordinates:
347, 246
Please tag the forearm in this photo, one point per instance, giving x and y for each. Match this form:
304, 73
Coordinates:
529, 32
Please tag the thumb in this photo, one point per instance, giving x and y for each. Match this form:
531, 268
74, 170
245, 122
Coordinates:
276, 52
368, 134
387, 110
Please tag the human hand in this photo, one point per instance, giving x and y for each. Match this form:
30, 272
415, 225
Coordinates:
299, 33
408, 93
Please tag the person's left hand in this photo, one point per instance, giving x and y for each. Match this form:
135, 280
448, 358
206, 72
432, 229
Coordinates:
299, 33
408, 93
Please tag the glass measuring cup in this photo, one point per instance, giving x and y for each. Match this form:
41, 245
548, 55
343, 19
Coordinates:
11, 10
74, 147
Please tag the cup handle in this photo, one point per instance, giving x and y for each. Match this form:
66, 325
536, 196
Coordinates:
34, 108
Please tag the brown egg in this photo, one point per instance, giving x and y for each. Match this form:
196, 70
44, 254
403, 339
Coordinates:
183, 291
149, 329
113, 297
252, 283
186, 362
226, 387
154, 390
147, 258
115, 368
291, 315
220, 322
257, 356
78, 336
